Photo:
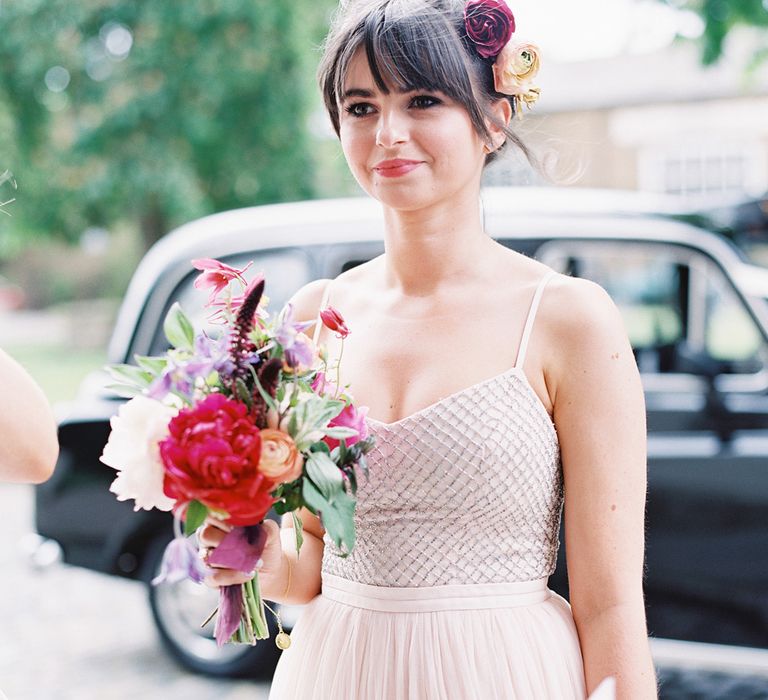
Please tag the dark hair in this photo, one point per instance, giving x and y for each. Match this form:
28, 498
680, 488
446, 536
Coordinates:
413, 45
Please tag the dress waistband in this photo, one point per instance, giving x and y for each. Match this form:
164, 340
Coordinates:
473, 596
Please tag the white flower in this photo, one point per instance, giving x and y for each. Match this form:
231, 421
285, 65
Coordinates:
133, 450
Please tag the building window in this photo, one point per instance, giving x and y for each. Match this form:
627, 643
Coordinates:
700, 171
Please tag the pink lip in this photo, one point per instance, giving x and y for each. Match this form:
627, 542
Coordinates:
396, 168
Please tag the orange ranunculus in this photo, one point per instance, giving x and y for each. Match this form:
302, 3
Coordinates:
280, 460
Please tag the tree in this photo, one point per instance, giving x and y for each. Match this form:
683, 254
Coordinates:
153, 111
720, 17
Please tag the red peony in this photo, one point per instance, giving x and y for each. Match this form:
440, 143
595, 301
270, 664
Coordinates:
212, 455
489, 24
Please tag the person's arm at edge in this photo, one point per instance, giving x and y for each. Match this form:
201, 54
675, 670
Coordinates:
28, 437
599, 413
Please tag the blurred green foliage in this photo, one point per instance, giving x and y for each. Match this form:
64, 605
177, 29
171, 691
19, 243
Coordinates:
154, 112
720, 17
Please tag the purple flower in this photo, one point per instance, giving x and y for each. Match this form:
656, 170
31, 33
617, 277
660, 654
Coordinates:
298, 349
230, 613
240, 549
211, 354
178, 377
180, 562
174, 379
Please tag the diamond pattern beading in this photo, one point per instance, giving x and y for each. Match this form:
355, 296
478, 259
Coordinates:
468, 490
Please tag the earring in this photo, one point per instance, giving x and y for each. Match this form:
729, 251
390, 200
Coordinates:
487, 149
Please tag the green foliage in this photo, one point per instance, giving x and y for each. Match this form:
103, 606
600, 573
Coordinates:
206, 111
194, 517
178, 328
720, 17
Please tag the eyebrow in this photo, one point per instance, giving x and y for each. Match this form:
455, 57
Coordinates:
356, 92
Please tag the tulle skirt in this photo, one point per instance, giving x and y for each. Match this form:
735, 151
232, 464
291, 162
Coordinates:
499, 641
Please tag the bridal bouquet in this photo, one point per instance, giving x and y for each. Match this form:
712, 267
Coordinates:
233, 424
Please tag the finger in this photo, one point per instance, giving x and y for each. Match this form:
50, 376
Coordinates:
218, 523
210, 536
271, 527
226, 577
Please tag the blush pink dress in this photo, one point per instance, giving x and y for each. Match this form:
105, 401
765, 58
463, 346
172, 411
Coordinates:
445, 595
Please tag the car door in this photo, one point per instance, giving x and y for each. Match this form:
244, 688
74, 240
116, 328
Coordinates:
702, 357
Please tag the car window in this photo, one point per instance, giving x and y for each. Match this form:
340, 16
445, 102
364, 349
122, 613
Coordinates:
731, 334
284, 271
681, 313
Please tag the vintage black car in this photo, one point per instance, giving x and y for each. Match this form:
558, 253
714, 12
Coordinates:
697, 317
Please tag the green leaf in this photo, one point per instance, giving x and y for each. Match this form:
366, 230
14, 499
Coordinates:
339, 522
194, 517
131, 375
313, 499
153, 365
293, 424
320, 447
325, 475
127, 392
298, 526
178, 328
243, 393
340, 432
264, 395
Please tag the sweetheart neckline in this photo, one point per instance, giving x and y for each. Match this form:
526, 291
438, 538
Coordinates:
513, 371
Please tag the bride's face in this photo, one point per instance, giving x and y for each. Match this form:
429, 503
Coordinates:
408, 150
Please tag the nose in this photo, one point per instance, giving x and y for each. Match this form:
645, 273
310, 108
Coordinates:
391, 129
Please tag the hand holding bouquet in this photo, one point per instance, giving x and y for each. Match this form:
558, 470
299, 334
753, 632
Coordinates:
231, 425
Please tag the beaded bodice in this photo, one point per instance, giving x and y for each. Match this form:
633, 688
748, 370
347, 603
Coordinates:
467, 490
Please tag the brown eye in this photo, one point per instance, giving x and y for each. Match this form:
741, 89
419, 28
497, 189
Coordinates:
424, 101
359, 109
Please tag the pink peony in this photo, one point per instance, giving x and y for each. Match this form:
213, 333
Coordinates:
351, 417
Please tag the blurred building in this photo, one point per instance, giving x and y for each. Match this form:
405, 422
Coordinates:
658, 122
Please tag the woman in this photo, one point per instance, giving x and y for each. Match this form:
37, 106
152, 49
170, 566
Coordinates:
493, 386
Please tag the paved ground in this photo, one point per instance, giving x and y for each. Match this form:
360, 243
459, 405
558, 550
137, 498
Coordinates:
69, 634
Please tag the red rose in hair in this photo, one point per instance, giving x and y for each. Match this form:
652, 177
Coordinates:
490, 25
212, 455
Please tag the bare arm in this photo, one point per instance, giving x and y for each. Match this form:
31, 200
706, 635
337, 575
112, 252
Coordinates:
281, 562
28, 441
599, 412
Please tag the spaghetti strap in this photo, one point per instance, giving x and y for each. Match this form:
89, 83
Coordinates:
318, 322
531, 317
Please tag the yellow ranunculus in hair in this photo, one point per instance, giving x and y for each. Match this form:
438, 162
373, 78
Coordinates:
516, 66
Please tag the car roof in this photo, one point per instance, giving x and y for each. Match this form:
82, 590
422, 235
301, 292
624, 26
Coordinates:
509, 213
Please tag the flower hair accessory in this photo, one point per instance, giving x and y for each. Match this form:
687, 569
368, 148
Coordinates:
490, 25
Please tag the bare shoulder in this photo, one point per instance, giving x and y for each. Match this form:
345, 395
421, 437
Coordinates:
576, 310
307, 299
584, 331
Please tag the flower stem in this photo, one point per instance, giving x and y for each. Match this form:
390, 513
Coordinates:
255, 608
338, 369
